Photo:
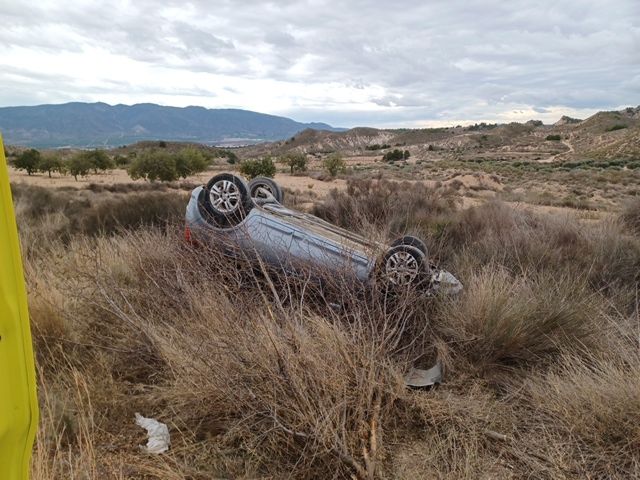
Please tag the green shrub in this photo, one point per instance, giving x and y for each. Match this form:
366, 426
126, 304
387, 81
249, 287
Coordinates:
616, 127
334, 164
396, 154
263, 167
553, 138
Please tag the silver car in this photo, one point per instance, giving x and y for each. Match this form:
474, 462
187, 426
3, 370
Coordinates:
251, 217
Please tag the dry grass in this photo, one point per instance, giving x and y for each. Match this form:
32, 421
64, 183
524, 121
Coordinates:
258, 376
631, 215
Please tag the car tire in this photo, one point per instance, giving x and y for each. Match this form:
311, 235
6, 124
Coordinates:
402, 266
226, 200
269, 185
412, 241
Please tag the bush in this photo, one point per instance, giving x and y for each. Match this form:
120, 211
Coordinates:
631, 215
377, 146
28, 161
553, 138
616, 127
232, 158
519, 319
132, 212
297, 162
334, 164
263, 167
395, 154
386, 205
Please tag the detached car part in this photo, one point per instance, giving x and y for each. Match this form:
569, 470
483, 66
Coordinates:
250, 217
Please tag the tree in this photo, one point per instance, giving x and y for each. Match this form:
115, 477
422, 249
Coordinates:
79, 164
334, 164
189, 161
263, 167
121, 161
50, 163
406, 154
395, 154
28, 161
296, 161
162, 165
154, 165
99, 160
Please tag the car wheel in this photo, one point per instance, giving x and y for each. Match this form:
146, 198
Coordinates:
261, 185
413, 242
403, 265
226, 199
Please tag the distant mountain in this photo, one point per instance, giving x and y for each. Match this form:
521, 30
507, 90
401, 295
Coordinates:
98, 124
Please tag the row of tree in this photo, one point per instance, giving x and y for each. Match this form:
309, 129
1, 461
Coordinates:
161, 164
150, 164
297, 162
79, 164
396, 154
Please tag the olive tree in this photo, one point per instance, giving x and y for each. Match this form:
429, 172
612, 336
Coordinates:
263, 167
50, 163
28, 161
297, 162
78, 165
334, 164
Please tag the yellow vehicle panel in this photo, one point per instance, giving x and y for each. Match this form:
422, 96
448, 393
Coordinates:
18, 400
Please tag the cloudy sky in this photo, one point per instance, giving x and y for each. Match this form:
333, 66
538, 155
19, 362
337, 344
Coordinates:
351, 62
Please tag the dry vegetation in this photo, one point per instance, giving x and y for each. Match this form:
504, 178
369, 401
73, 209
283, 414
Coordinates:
258, 377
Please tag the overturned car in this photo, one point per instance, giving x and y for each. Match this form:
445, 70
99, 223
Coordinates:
251, 218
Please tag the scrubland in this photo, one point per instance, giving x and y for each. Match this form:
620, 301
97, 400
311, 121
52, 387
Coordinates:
260, 376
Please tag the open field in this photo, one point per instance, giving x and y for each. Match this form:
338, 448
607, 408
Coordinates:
257, 377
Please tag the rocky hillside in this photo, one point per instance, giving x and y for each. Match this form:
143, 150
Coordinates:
604, 135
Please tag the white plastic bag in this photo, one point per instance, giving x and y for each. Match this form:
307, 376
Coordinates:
158, 433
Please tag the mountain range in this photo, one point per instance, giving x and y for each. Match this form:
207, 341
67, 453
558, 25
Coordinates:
80, 124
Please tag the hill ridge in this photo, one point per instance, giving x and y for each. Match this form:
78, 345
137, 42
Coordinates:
82, 124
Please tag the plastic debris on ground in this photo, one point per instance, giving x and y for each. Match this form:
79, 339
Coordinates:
158, 433
418, 378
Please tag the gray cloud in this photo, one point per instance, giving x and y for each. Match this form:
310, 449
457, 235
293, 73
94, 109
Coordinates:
363, 62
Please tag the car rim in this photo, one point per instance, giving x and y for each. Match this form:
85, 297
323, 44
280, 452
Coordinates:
259, 194
225, 196
401, 268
